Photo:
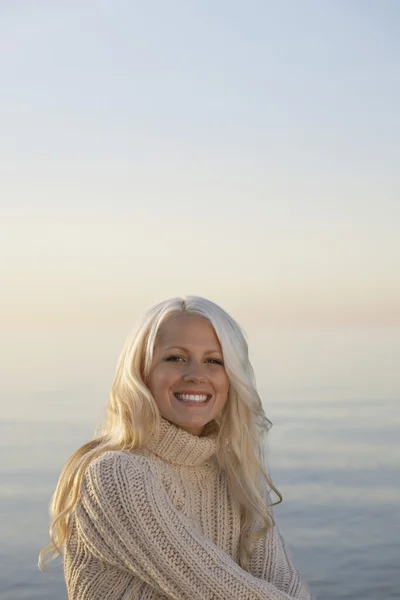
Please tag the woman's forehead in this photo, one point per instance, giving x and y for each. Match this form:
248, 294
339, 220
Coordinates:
185, 328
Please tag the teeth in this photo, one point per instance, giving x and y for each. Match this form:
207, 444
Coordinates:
191, 398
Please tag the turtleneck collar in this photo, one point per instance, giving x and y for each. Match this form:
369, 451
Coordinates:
175, 445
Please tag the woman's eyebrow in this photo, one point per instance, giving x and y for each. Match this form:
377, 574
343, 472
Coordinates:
187, 350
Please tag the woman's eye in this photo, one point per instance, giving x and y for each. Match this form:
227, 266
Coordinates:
176, 358
216, 361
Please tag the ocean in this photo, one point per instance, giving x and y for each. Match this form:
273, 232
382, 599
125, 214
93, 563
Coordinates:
334, 454
337, 467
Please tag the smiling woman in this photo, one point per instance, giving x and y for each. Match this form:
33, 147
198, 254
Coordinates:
191, 386
173, 499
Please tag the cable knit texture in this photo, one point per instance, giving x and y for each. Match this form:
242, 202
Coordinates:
160, 523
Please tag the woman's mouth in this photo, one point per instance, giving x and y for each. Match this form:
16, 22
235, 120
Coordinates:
193, 399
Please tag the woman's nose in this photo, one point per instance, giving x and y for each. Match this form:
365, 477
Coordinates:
194, 372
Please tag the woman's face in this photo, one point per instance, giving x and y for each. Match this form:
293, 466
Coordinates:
188, 360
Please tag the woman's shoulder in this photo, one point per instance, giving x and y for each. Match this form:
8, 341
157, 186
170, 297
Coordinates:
109, 465
116, 457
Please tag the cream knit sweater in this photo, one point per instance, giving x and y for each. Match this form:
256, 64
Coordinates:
159, 523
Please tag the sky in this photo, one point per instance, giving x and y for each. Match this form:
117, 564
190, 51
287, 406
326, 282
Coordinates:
247, 152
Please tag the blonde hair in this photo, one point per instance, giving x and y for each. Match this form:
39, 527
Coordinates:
133, 415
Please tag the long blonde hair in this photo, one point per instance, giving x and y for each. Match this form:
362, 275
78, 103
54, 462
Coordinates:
133, 415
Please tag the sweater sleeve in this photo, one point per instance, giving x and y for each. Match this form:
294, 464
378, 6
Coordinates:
125, 517
270, 560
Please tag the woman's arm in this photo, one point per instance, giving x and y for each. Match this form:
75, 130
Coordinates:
271, 561
125, 518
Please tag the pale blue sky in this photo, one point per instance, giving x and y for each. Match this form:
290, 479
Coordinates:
244, 151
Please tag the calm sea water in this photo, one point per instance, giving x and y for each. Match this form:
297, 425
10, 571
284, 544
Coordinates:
335, 459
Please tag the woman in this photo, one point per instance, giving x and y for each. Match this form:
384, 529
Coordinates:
172, 501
